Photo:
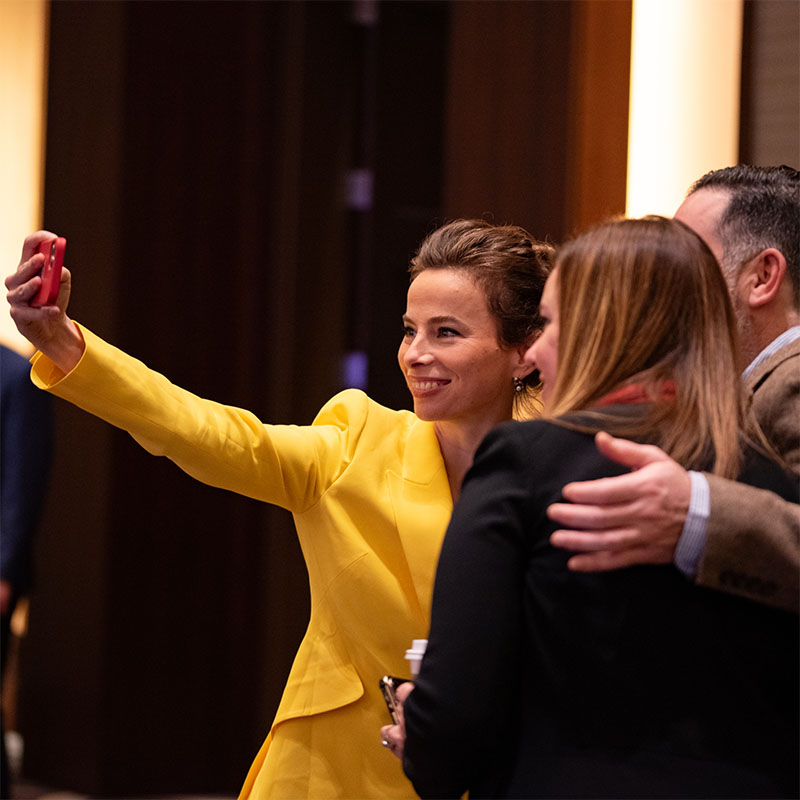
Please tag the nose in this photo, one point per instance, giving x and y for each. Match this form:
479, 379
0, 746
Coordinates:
529, 356
417, 351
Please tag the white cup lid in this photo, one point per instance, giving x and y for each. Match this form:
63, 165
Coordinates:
417, 649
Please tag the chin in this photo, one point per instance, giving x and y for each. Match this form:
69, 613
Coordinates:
425, 412
421, 414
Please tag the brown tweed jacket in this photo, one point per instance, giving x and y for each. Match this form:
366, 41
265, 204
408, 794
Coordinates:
753, 545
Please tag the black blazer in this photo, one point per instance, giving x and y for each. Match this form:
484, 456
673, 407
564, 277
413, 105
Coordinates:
541, 682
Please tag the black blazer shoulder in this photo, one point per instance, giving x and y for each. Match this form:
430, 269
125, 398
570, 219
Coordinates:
569, 453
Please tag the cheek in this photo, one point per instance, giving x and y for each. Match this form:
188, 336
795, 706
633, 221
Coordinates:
401, 353
492, 367
551, 347
538, 351
544, 354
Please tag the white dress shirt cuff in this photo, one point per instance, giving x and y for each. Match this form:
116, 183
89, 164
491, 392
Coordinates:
692, 542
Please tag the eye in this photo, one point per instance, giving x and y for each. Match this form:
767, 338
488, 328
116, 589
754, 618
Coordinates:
447, 332
408, 332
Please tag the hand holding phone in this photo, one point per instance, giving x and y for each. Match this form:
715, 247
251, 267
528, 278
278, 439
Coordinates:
388, 687
53, 252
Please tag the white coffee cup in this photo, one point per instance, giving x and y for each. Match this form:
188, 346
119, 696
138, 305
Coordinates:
414, 655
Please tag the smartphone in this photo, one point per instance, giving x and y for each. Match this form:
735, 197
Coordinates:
388, 686
53, 252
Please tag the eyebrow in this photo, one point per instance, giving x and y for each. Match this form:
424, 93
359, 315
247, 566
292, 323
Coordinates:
437, 320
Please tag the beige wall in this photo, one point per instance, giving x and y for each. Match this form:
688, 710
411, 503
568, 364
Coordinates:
23, 53
685, 89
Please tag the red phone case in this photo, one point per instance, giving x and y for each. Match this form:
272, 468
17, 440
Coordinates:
53, 251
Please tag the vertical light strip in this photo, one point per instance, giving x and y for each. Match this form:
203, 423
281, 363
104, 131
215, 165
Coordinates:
684, 103
23, 76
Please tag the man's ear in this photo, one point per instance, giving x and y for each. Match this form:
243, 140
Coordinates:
764, 277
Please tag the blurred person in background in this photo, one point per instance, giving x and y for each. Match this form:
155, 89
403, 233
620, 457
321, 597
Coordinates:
25, 450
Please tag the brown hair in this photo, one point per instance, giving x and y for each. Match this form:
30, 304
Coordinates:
644, 301
507, 263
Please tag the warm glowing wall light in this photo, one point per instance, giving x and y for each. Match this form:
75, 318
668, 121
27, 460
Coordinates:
23, 74
684, 102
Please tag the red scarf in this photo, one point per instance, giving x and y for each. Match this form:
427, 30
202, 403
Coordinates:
637, 393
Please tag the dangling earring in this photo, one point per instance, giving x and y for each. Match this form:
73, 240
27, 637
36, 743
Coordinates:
519, 385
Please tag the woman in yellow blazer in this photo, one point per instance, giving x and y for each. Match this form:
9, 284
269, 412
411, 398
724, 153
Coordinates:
371, 489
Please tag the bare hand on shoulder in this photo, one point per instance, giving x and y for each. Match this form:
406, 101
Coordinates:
629, 519
47, 328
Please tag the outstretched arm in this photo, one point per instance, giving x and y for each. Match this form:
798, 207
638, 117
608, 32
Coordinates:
48, 328
629, 519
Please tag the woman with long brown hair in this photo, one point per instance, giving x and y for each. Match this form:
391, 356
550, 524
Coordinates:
543, 682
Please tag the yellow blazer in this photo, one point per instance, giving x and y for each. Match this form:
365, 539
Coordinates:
369, 493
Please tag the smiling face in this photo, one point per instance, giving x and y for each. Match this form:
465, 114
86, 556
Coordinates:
454, 365
543, 353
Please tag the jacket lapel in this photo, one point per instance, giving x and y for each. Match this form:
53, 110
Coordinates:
422, 507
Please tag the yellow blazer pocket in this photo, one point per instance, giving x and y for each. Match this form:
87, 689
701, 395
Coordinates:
322, 678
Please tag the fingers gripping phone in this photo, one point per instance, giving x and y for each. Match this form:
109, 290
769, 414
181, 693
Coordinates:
53, 252
388, 687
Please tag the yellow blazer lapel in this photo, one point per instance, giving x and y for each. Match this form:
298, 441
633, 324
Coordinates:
422, 506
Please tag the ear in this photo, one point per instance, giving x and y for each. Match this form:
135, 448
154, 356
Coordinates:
763, 277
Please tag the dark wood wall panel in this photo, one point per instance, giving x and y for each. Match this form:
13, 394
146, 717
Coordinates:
598, 120
537, 112
64, 658
770, 96
409, 171
191, 147
507, 111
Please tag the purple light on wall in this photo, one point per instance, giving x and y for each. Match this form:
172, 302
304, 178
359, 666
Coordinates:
354, 370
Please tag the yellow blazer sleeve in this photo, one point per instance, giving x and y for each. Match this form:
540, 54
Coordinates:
223, 446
